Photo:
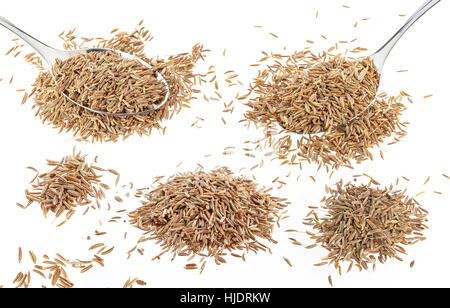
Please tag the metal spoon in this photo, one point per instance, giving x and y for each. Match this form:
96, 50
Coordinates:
380, 56
50, 55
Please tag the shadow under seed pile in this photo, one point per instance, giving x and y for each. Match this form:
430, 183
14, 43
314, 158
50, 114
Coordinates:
364, 224
206, 213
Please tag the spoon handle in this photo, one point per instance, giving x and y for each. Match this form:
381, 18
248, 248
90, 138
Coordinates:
380, 56
48, 53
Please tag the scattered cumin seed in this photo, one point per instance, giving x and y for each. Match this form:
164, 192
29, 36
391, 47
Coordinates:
273, 34
287, 261
191, 266
85, 269
25, 97
32, 257
321, 264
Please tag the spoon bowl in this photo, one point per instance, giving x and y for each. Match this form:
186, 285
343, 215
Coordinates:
160, 78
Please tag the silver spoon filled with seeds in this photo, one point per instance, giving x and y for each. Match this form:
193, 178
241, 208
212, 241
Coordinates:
329, 91
101, 80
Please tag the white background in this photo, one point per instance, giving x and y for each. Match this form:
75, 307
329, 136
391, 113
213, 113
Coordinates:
176, 26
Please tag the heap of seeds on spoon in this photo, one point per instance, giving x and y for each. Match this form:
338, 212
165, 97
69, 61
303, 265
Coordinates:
107, 82
300, 95
207, 214
315, 97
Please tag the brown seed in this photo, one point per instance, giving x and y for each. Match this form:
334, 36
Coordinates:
108, 251
321, 264
191, 266
273, 34
25, 97
96, 246
86, 268
32, 256
287, 261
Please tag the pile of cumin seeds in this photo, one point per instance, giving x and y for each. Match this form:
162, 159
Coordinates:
284, 99
106, 81
363, 224
178, 71
71, 183
208, 213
